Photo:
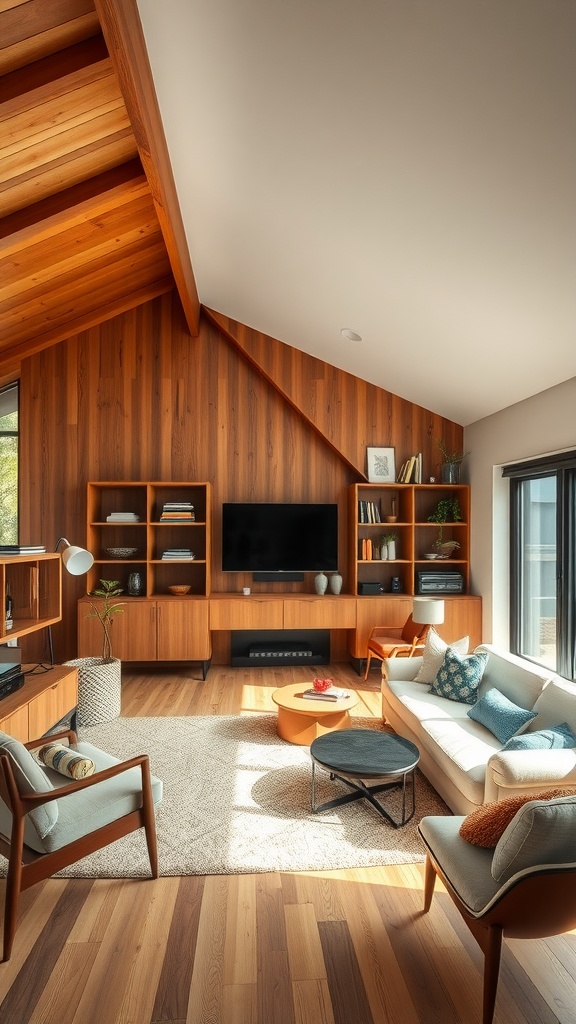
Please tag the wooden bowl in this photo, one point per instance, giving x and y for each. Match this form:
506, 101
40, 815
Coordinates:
179, 589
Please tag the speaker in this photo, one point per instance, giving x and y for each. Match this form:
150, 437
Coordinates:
395, 585
370, 588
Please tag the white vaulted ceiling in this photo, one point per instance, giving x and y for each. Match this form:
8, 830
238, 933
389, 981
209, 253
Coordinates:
402, 168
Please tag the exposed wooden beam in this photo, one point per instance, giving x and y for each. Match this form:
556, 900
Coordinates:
124, 37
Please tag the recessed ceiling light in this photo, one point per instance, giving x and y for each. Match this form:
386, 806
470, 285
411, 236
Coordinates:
351, 335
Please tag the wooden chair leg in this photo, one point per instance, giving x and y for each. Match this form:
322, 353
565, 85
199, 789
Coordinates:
492, 955
368, 660
149, 821
13, 887
429, 883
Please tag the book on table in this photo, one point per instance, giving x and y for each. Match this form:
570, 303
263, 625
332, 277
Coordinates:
333, 694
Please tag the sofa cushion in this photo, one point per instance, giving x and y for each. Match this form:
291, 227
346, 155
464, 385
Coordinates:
518, 679
459, 677
555, 738
433, 655
556, 703
542, 832
485, 825
499, 715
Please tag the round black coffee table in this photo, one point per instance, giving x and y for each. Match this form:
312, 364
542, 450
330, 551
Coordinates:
354, 755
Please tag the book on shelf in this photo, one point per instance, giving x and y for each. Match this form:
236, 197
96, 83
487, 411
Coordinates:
123, 517
333, 694
411, 470
22, 549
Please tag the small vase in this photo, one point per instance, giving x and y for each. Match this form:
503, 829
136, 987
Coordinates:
135, 584
450, 472
391, 550
384, 552
335, 583
321, 583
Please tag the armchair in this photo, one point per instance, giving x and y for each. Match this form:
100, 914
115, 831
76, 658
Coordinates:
48, 821
395, 641
524, 888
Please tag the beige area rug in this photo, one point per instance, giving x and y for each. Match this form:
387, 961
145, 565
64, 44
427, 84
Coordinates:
237, 800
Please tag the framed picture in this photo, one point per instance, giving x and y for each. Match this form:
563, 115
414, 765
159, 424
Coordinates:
381, 467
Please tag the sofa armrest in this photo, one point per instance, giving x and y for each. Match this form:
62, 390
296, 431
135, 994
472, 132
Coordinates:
510, 772
401, 668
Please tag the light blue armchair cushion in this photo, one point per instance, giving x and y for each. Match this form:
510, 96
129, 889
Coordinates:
542, 832
466, 867
557, 737
98, 805
30, 779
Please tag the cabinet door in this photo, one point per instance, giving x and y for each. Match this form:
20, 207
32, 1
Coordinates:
133, 632
50, 706
377, 611
251, 612
183, 631
320, 613
16, 725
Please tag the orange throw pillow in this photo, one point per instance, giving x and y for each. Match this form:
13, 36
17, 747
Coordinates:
485, 825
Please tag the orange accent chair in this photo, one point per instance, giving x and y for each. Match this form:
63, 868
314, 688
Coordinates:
395, 641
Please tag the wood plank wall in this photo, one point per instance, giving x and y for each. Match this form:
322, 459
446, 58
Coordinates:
137, 398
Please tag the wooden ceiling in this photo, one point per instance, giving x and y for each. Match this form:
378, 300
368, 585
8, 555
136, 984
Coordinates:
89, 220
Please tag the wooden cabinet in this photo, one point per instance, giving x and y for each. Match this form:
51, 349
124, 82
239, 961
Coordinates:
410, 505
35, 586
462, 617
174, 629
319, 612
150, 522
250, 612
40, 703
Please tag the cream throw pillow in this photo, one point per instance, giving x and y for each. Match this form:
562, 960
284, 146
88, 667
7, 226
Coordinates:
433, 655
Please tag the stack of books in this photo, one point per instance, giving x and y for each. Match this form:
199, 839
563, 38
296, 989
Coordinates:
178, 555
411, 470
22, 549
334, 693
122, 517
177, 512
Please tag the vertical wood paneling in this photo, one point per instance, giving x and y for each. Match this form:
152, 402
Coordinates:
137, 398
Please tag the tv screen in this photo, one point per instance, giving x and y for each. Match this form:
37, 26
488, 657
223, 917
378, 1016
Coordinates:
279, 537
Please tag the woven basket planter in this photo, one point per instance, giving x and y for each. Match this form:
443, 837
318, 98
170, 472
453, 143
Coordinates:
99, 689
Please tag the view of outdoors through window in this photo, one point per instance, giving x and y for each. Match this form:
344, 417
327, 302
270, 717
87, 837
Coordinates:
538, 559
9, 465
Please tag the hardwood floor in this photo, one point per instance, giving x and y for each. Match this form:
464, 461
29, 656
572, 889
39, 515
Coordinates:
340, 947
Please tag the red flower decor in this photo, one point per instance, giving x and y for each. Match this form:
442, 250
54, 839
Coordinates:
322, 684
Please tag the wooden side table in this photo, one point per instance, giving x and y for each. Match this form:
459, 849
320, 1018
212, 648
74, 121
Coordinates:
301, 720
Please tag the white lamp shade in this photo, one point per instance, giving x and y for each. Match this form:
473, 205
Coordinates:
429, 610
76, 560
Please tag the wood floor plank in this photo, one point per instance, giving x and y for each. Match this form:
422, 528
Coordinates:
279, 948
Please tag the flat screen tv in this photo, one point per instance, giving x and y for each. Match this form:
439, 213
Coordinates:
278, 537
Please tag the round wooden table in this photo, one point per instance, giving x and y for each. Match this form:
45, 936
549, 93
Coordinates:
301, 720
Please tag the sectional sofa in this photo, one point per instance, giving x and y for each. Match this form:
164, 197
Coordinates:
463, 759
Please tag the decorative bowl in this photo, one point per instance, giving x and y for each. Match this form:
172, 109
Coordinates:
179, 589
321, 685
121, 552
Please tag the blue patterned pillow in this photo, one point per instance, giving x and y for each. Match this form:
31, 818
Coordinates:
459, 677
499, 715
554, 738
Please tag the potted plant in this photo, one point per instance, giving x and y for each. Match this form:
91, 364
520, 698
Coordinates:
444, 548
450, 469
100, 678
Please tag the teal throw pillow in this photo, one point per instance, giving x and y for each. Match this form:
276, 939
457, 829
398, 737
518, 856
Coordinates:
555, 738
499, 715
459, 677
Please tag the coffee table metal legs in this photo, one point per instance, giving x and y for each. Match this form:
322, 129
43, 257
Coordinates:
360, 790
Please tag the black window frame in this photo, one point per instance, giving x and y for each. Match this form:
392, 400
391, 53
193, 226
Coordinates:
14, 386
563, 467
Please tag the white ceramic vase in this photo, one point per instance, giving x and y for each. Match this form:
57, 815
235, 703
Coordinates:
335, 583
321, 583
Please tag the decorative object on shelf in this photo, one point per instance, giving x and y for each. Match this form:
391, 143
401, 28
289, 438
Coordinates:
179, 589
447, 511
450, 469
444, 548
390, 540
381, 465
135, 587
321, 583
335, 583
321, 685
121, 552
393, 517
395, 585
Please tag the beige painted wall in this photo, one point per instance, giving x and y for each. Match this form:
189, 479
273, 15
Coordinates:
540, 425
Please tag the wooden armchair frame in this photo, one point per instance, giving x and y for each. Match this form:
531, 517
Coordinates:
26, 866
537, 905
387, 648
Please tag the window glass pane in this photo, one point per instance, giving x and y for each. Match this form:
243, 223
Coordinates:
538, 553
9, 466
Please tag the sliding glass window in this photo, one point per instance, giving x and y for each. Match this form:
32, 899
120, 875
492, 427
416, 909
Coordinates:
9, 464
543, 572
